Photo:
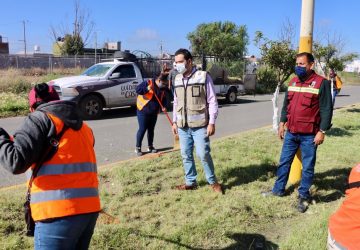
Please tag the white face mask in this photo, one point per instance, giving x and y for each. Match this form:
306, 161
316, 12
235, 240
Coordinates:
180, 67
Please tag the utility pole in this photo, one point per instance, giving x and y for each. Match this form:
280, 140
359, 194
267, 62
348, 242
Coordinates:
307, 24
305, 45
161, 49
95, 33
24, 35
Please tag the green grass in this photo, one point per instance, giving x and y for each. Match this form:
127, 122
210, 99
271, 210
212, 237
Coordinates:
13, 104
15, 84
150, 214
350, 78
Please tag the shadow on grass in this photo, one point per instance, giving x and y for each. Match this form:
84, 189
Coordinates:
353, 110
251, 242
242, 241
334, 179
159, 150
172, 241
237, 175
339, 132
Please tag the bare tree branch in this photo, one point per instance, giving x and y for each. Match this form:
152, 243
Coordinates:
82, 25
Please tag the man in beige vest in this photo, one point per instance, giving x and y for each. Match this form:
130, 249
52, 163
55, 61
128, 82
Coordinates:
195, 111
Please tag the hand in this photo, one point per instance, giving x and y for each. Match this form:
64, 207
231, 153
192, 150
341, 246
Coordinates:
210, 130
319, 138
174, 129
165, 68
281, 130
163, 109
148, 87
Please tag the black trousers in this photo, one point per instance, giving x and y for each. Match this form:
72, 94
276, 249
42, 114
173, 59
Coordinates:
146, 123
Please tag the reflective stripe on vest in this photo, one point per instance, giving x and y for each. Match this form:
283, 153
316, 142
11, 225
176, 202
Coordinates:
67, 184
63, 194
142, 100
303, 90
55, 169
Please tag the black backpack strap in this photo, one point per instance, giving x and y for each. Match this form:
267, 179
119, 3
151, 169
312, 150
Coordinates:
353, 185
48, 154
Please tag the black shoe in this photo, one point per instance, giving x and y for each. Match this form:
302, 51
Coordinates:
151, 149
138, 151
303, 205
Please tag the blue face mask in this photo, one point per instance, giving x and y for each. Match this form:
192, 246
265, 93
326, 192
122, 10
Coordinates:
300, 71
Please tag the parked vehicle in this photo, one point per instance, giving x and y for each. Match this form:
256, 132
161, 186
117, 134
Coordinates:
103, 85
112, 84
231, 88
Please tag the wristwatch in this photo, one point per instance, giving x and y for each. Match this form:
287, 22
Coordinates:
322, 131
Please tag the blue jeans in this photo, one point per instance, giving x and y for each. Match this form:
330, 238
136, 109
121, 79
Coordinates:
335, 93
292, 142
146, 123
71, 232
188, 137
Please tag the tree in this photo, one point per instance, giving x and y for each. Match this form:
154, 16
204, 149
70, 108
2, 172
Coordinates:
74, 41
224, 40
328, 50
328, 57
73, 45
279, 56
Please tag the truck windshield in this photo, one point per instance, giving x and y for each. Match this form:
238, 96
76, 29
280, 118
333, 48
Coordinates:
97, 70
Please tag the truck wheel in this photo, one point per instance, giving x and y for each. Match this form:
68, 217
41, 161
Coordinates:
91, 107
231, 96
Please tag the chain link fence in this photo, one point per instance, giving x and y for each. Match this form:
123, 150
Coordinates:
49, 62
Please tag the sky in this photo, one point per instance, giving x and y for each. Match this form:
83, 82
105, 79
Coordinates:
149, 25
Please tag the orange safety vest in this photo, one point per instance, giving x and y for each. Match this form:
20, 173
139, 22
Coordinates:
338, 83
344, 224
67, 184
142, 100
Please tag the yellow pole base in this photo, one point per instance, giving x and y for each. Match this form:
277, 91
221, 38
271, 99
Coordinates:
295, 170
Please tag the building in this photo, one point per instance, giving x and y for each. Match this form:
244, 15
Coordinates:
108, 49
354, 66
4, 46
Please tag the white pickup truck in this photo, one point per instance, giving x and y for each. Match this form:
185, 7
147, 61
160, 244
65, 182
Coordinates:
231, 88
103, 85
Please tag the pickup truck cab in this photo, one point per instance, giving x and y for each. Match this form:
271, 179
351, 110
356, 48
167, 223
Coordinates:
103, 85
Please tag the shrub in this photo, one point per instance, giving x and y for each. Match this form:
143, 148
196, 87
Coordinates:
266, 81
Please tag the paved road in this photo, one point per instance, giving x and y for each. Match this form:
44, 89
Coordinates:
115, 133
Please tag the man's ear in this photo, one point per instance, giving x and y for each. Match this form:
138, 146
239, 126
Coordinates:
190, 62
312, 65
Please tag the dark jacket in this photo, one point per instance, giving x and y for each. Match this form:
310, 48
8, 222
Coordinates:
32, 138
152, 107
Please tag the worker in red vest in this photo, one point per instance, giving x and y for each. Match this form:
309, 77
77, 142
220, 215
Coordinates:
148, 108
63, 184
344, 224
306, 114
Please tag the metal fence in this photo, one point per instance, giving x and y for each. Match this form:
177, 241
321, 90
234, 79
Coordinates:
48, 62
150, 66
